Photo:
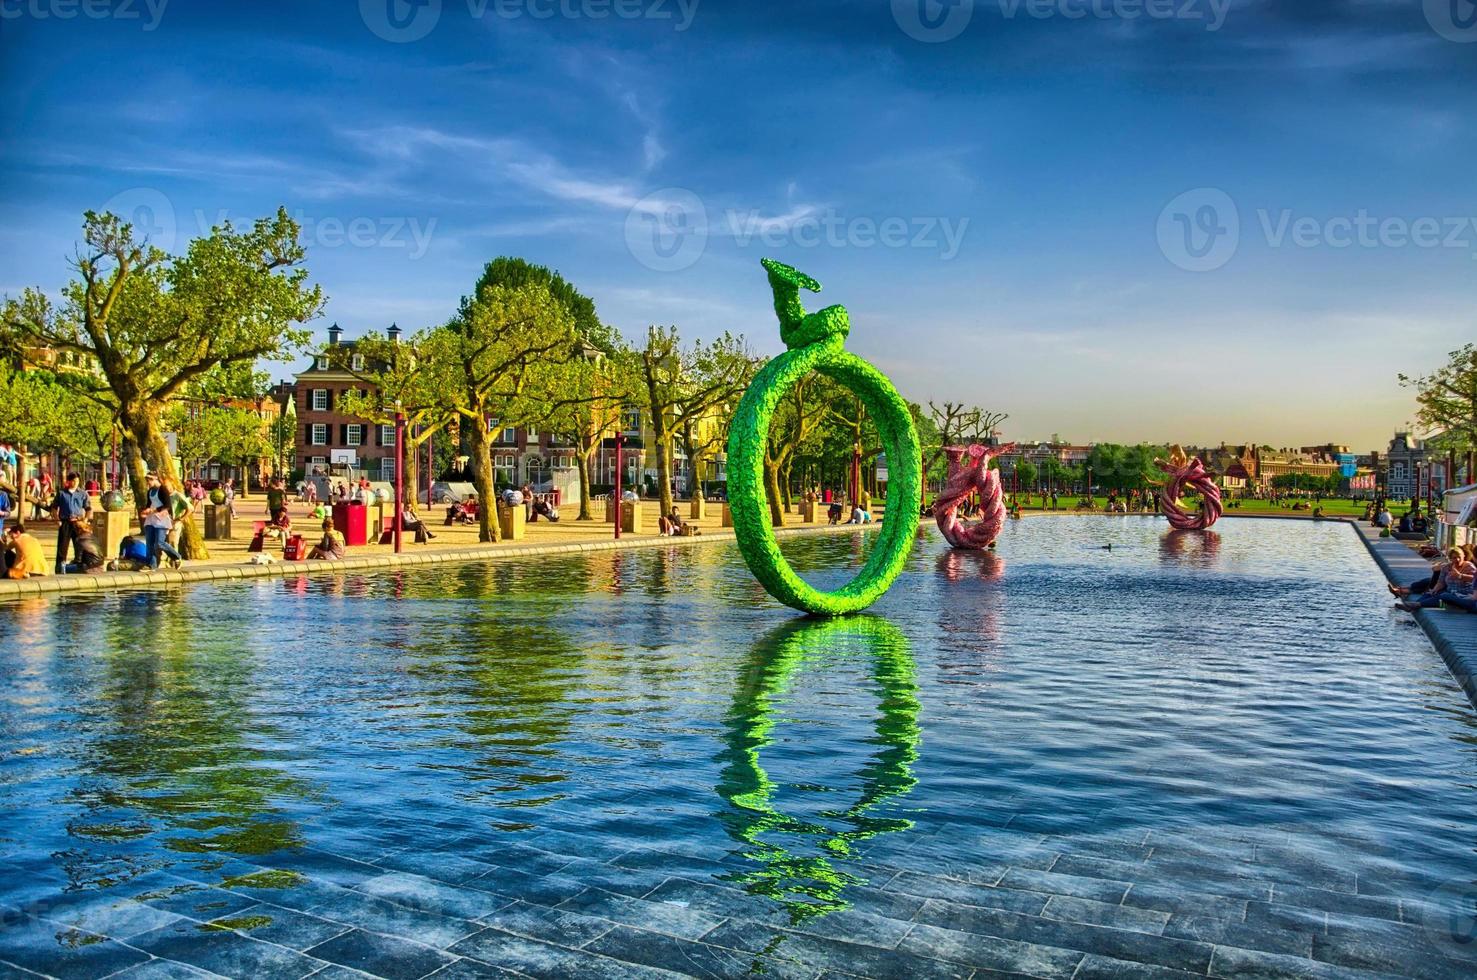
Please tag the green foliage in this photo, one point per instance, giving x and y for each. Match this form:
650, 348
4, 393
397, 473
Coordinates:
1447, 399
1026, 474
1118, 467
515, 272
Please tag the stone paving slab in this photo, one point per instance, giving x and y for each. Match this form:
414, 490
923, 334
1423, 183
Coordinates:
1453, 632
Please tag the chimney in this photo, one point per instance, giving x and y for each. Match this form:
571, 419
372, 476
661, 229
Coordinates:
394, 333
334, 333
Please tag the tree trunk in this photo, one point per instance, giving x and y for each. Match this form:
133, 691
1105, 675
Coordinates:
412, 468
141, 429
584, 469
663, 466
482, 478
772, 491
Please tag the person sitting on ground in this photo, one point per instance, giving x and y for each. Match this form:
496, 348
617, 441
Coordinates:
23, 555
1456, 590
1384, 518
670, 525
89, 556
546, 510
860, 515
410, 522
321, 511
1419, 524
133, 554
1456, 568
331, 547
1407, 525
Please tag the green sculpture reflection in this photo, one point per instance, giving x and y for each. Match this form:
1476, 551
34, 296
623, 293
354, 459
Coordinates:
812, 884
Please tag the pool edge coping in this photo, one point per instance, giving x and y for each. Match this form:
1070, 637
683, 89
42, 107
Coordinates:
1400, 564
52, 585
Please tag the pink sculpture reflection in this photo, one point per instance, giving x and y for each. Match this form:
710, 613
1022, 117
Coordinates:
970, 473
1184, 472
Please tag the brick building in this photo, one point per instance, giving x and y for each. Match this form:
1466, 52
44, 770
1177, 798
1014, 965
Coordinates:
325, 434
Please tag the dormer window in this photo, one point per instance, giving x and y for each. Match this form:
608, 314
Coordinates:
356, 362
320, 363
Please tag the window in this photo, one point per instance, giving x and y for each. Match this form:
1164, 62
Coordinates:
504, 467
319, 435
317, 460
387, 435
562, 462
387, 468
320, 362
632, 419
532, 434
356, 362
320, 400
509, 436
354, 435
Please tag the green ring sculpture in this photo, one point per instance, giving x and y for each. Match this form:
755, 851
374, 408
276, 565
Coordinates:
816, 343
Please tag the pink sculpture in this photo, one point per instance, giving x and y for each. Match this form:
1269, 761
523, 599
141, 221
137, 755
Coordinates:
1185, 472
969, 472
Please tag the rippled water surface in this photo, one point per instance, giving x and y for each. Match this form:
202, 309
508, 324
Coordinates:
1235, 723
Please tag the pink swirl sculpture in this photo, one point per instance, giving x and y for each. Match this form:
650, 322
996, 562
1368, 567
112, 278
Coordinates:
1184, 472
969, 472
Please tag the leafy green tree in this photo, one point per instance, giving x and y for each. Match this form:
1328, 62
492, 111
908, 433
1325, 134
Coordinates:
395, 383
1026, 475
154, 323
685, 385
498, 359
1446, 399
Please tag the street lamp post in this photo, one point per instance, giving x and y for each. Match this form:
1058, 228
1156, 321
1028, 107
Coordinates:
399, 520
430, 466
615, 494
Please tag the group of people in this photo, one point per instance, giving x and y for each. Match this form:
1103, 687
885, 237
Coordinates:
77, 551
1452, 583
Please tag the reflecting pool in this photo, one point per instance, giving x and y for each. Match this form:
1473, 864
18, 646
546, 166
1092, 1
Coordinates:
1103, 750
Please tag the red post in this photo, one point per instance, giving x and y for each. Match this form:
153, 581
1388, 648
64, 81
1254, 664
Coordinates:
399, 522
615, 494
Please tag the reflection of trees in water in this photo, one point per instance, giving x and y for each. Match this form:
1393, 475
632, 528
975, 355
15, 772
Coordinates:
498, 674
1197, 548
176, 748
812, 884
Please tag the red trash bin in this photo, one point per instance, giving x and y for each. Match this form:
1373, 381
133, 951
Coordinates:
557, 493
351, 518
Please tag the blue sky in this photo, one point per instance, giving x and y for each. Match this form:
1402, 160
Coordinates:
1237, 222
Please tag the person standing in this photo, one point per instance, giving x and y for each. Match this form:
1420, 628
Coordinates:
157, 518
71, 503
34, 495
5, 506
